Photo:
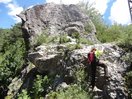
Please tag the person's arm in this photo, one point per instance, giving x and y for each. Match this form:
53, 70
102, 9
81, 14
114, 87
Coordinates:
88, 58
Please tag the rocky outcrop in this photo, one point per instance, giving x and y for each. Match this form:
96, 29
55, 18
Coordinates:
57, 59
53, 59
48, 58
114, 87
55, 19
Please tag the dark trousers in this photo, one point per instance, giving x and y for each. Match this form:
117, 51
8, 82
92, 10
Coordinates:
93, 66
104, 66
93, 73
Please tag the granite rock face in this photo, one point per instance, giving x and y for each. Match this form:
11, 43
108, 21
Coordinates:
54, 19
112, 88
55, 59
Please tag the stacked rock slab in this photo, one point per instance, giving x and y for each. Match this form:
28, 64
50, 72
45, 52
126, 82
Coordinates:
112, 88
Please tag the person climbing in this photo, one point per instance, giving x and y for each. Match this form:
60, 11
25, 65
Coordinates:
93, 61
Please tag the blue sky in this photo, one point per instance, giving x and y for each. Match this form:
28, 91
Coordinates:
107, 12
108, 8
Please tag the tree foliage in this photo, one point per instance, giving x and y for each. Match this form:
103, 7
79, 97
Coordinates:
121, 34
12, 51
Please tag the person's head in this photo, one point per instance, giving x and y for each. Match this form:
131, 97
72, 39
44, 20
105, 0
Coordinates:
93, 49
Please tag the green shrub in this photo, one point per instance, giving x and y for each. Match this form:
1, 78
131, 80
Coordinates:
24, 95
74, 46
85, 41
88, 28
110, 34
125, 41
72, 92
43, 38
12, 53
129, 83
80, 74
40, 86
64, 39
75, 35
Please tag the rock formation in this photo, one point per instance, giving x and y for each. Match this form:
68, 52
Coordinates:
57, 59
113, 88
55, 19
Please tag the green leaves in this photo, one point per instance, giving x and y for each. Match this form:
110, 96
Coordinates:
72, 92
24, 95
126, 38
12, 52
128, 83
40, 86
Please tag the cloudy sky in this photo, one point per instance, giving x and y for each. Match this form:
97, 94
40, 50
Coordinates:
112, 10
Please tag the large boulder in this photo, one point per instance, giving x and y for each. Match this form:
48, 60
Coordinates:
55, 19
47, 58
56, 59
114, 87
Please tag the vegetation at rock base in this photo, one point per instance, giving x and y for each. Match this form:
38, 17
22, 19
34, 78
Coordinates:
12, 52
12, 57
72, 92
129, 83
24, 95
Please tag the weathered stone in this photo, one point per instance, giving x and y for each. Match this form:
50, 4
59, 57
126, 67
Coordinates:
21, 83
47, 58
14, 87
114, 87
52, 58
54, 19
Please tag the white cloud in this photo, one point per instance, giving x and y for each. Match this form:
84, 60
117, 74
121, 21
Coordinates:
14, 10
63, 1
5, 1
30, 6
100, 5
120, 12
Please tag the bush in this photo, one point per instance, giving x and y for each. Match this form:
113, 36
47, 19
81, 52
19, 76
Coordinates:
40, 86
85, 41
75, 35
72, 92
43, 38
74, 46
88, 28
110, 34
129, 83
126, 41
24, 95
80, 74
64, 39
12, 53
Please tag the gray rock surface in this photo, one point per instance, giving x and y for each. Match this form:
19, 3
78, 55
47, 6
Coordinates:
112, 88
46, 58
55, 19
55, 59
